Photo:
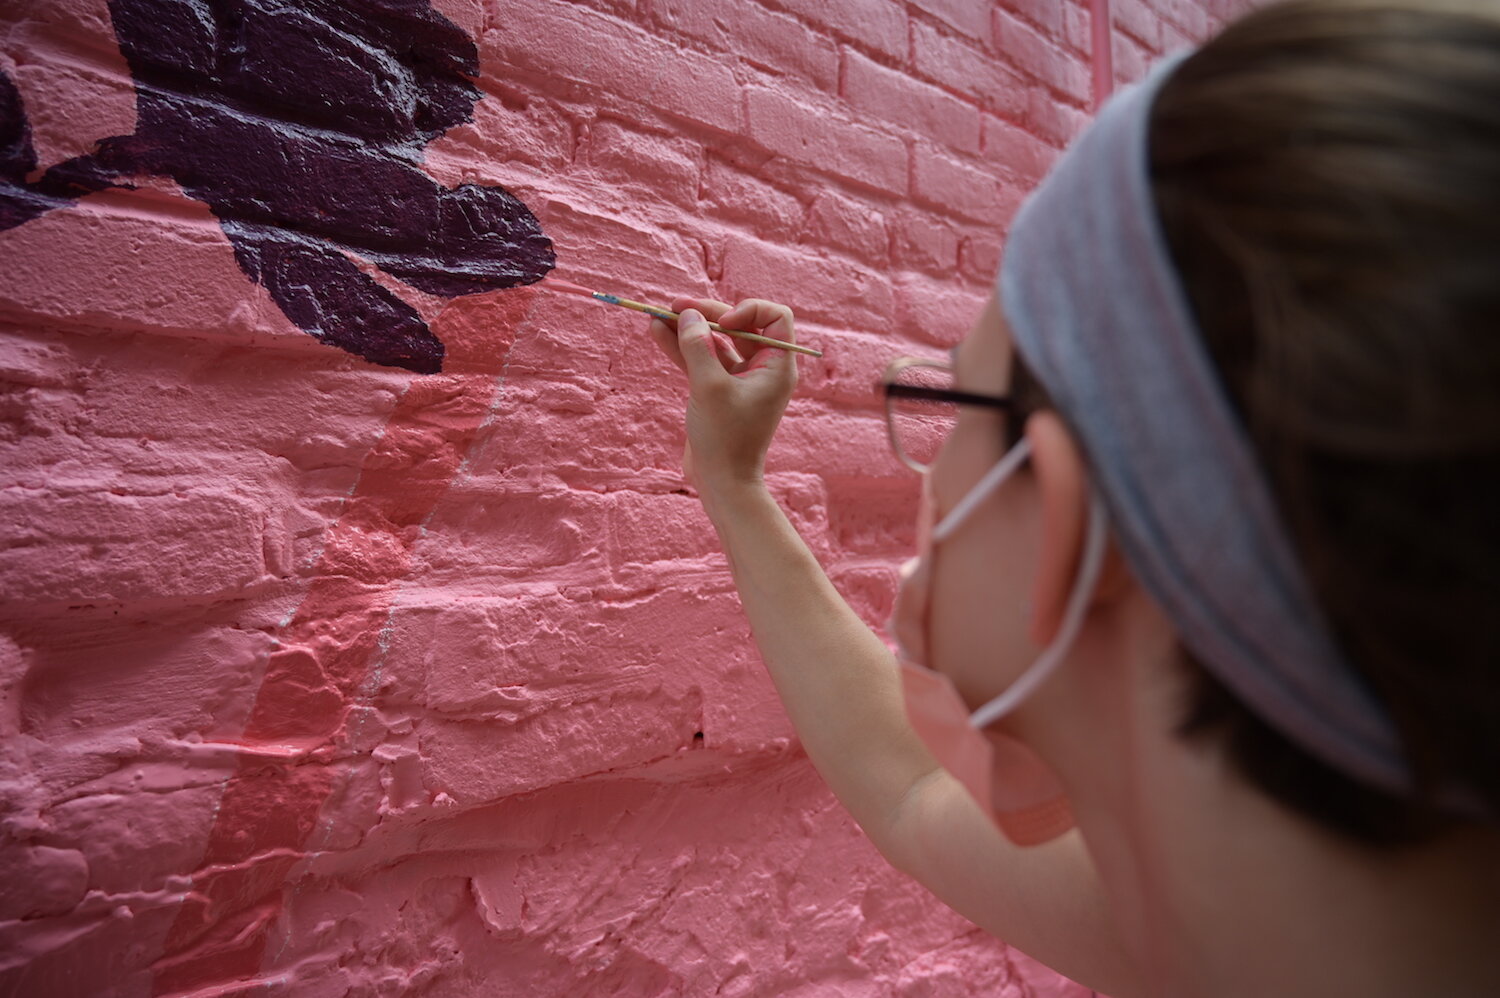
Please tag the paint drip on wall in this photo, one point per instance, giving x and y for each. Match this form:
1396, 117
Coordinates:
303, 131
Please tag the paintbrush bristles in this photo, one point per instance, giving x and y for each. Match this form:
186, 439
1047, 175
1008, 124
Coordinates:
568, 287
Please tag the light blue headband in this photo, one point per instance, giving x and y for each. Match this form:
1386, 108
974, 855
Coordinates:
1097, 313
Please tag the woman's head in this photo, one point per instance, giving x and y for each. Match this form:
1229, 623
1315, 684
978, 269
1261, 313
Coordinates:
1262, 291
1327, 176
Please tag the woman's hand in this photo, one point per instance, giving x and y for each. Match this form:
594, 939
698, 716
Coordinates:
737, 389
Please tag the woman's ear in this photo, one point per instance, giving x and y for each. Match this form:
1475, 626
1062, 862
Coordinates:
1063, 488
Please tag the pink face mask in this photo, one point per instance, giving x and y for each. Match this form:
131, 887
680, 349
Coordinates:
1009, 781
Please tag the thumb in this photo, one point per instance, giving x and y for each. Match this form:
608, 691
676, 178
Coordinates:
696, 341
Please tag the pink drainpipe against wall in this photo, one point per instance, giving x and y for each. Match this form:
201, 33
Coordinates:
1100, 27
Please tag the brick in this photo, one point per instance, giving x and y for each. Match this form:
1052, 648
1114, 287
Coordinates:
735, 195
848, 382
1040, 58
647, 527
633, 436
522, 695
503, 133
467, 14
863, 450
958, 65
961, 187
556, 40
1052, 120
979, 253
699, 88
923, 241
491, 533
627, 250
774, 41
1137, 19
876, 24
161, 434
100, 546
512, 657
1173, 40
31, 360
39, 881
1187, 15
98, 264
1224, 11
628, 10
1077, 30
826, 142
642, 165
816, 285
909, 103
938, 312
41, 26
72, 102
967, 17
849, 226
847, 378
875, 517
1045, 15
1026, 157
1131, 60
162, 841
463, 759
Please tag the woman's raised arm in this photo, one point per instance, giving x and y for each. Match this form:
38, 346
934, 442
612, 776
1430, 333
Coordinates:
839, 682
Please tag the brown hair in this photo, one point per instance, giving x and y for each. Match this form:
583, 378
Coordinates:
1328, 178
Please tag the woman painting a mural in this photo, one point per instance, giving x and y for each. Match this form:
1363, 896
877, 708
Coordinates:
1211, 552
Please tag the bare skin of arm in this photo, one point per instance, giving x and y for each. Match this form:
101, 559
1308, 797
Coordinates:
839, 682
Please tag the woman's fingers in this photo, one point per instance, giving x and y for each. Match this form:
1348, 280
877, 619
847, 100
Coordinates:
752, 314
768, 317
728, 352
666, 338
665, 333
710, 308
704, 366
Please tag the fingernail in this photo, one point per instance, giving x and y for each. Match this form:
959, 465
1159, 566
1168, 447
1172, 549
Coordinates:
690, 315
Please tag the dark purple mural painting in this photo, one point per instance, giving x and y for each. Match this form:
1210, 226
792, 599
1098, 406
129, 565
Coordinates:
301, 124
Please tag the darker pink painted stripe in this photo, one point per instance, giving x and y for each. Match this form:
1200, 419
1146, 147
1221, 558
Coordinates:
323, 655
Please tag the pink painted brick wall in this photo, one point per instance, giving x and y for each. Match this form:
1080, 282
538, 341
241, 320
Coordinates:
319, 677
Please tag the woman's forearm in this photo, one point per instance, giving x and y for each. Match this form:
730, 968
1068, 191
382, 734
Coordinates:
840, 686
837, 679
839, 682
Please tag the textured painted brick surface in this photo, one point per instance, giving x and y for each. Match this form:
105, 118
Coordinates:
889, 94
319, 676
821, 137
967, 68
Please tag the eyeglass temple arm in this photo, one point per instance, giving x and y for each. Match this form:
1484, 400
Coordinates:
945, 395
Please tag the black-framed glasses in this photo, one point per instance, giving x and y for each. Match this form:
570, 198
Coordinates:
921, 406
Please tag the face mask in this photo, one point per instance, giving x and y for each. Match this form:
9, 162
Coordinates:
1009, 781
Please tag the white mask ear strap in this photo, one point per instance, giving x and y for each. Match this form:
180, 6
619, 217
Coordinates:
991, 481
1078, 601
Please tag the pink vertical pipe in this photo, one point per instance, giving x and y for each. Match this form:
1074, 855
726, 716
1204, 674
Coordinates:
1104, 58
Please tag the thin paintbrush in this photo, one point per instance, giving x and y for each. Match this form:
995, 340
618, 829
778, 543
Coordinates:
666, 313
